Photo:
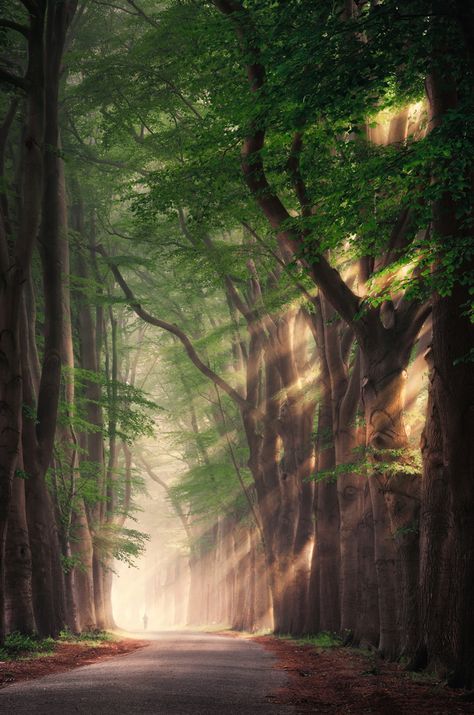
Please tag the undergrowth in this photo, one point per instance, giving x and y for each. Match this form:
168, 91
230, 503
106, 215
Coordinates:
96, 636
325, 639
18, 645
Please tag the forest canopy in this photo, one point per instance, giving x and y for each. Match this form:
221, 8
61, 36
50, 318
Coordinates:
238, 235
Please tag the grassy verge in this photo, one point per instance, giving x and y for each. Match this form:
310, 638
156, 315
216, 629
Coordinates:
19, 647
87, 638
375, 664
318, 640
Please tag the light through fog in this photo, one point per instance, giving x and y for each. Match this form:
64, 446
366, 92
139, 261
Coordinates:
153, 593
156, 586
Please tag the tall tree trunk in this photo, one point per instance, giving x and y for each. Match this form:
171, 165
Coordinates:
296, 418
447, 576
66, 442
107, 576
48, 581
82, 549
14, 274
48, 577
448, 448
99, 598
47, 574
345, 397
94, 448
19, 614
327, 554
395, 494
367, 633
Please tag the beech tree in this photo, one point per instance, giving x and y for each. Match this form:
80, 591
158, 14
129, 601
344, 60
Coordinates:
265, 212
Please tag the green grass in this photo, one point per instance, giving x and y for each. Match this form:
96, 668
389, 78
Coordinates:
18, 646
87, 637
319, 640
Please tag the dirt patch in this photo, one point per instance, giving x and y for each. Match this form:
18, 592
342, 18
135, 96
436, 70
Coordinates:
339, 681
65, 657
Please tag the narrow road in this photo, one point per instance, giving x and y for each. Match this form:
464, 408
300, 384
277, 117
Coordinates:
179, 673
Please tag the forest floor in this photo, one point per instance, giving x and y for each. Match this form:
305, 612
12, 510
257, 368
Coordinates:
345, 681
63, 655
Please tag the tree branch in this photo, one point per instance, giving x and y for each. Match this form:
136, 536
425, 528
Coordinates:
175, 330
398, 238
30, 5
292, 242
10, 25
352, 394
13, 79
279, 260
411, 318
295, 171
347, 340
245, 491
143, 14
250, 315
115, 7
174, 502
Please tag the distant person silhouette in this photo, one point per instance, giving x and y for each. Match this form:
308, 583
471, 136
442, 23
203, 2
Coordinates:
145, 622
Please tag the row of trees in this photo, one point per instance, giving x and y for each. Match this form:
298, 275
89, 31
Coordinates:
285, 189
69, 406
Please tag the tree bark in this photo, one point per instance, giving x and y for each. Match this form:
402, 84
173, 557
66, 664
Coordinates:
15, 270
345, 397
89, 349
19, 614
448, 446
395, 494
326, 561
48, 581
82, 549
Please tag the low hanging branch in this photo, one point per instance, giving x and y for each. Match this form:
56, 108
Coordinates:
240, 401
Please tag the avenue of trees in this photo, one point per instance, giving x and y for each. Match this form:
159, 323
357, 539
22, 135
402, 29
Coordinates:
245, 226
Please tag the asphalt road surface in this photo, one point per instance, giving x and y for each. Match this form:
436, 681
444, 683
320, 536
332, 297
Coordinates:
179, 673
